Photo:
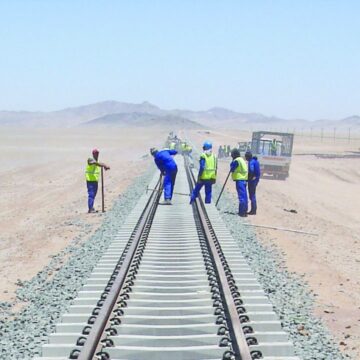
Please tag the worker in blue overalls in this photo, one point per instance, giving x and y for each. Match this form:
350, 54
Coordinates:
166, 164
253, 179
207, 173
239, 170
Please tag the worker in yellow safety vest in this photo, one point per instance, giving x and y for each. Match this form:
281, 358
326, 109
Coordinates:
188, 150
239, 173
207, 173
273, 147
92, 175
183, 147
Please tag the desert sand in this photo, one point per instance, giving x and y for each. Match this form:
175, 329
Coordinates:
325, 194
43, 188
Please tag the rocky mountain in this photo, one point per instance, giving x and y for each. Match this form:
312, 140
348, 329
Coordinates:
351, 121
115, 113
76, 115
172, 122
96, 110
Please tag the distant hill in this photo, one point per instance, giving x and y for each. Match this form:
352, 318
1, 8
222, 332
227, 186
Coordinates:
351, 121
115, 113
144, 120
96, 110
76, 115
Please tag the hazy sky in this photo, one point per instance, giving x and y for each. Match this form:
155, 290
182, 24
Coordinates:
286, 58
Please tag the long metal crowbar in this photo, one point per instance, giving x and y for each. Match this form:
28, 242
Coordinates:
177, 193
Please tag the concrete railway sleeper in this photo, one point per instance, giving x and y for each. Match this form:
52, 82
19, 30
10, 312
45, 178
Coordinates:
172, 285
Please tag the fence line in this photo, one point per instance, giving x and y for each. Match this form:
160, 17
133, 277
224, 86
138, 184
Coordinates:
335, 133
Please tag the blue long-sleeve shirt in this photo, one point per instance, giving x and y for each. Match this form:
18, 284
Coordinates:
201, 166
254, 170
233, 165
164, 161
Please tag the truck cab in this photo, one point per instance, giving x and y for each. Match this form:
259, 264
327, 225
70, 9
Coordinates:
273, 150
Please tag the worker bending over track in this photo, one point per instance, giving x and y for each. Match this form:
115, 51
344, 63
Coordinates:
239, 170
207, 173
168, 168
92, 175
253, 179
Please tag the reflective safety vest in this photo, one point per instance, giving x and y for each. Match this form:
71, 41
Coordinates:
210, 170
92, 172
172, 146
241, 171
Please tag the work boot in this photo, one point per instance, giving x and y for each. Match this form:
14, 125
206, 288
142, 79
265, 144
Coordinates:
252, 212
243, 215
166, 202
92, 211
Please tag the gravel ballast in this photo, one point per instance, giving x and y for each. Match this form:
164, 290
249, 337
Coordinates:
290, 296
48, 295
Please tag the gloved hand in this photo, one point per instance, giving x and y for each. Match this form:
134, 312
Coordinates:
107, 167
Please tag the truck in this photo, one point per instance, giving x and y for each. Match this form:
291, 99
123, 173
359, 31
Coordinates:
273, 150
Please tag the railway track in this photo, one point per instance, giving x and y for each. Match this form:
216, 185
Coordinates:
172, 285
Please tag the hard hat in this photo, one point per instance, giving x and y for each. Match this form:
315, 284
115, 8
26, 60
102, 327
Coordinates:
248, 155
207, 145
153, 151
95, 151
235, 153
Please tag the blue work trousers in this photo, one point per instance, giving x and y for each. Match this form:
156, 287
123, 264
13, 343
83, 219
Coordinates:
169, 183
252, 194
208, 190
92, 187
242, 195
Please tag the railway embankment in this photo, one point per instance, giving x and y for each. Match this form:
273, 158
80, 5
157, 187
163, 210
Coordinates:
47, 295
292, 299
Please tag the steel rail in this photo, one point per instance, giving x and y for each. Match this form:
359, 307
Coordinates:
170, 292
240, 345
94, 337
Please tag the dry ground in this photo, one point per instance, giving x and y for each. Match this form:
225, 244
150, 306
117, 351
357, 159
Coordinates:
43, 188
326, 195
